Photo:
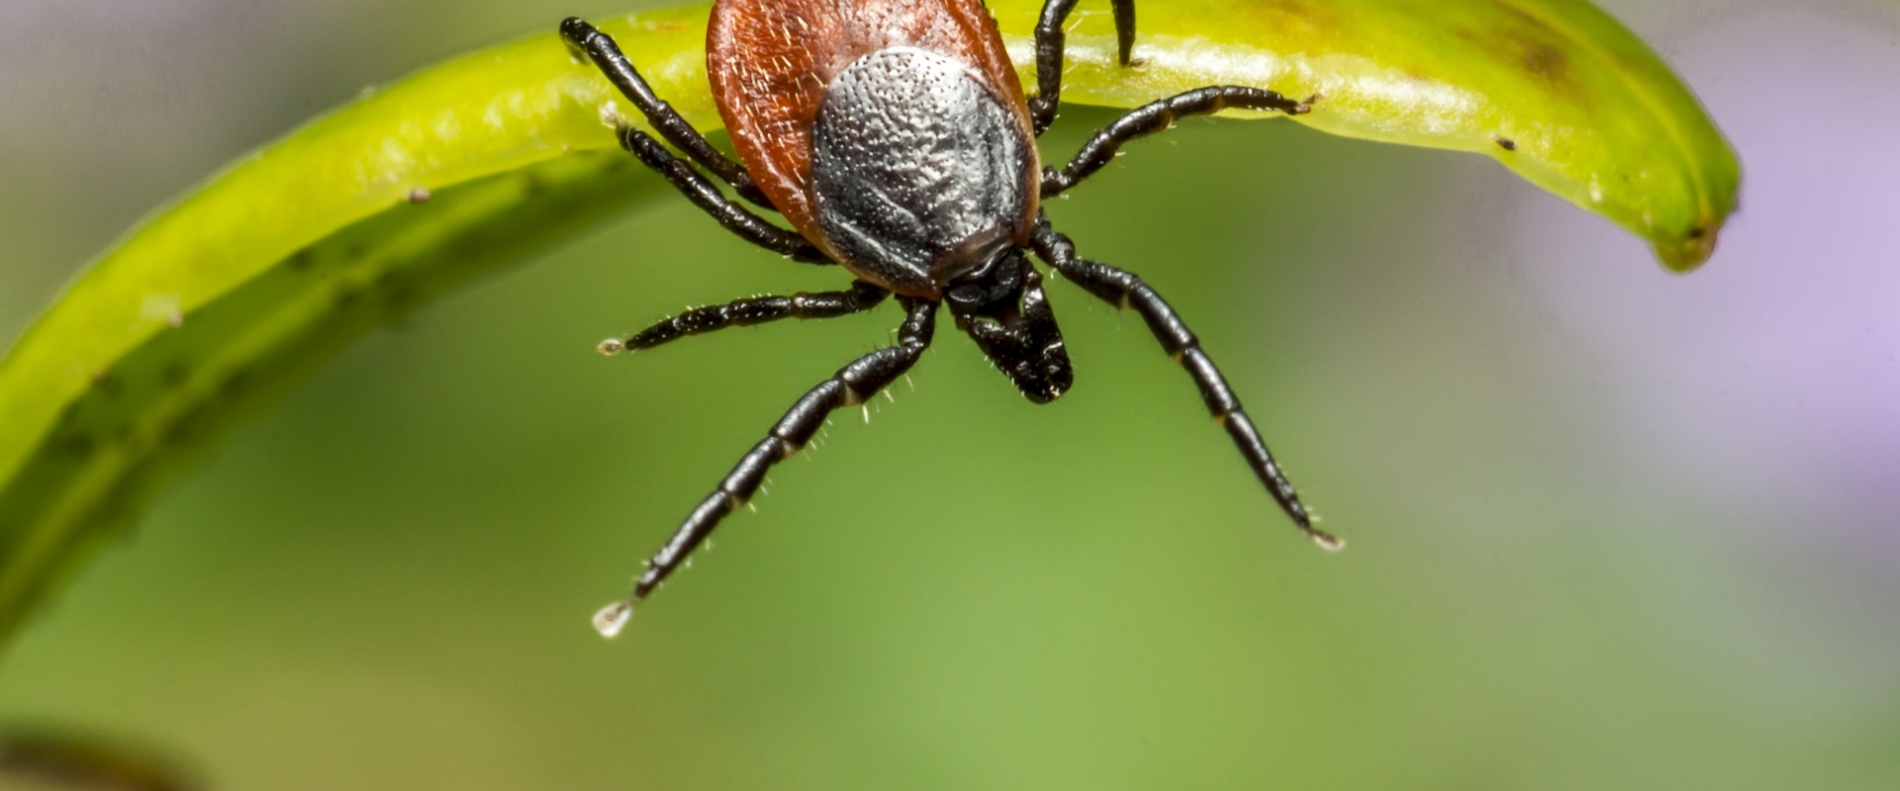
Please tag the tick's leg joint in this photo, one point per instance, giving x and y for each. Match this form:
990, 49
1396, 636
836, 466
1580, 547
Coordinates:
1158, 116
735, 218
1050, 40
585, 39
1120, 287
756, 310
864, 376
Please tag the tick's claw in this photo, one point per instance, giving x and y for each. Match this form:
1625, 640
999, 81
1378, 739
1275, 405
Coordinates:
613, 618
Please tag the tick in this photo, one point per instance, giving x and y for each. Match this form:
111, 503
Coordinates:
896, 139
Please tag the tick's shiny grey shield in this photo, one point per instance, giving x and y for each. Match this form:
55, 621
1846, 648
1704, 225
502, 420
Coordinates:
919, 173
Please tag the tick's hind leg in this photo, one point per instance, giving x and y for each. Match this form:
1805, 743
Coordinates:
1155, 117
708, 198
1050, 39
851, 385
1124, 289
747, 312
600, 47
606, 55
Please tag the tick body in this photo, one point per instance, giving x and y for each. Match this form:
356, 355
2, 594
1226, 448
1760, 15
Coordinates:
891, 133
896, 140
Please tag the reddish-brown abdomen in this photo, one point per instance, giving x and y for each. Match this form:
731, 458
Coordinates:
772, 62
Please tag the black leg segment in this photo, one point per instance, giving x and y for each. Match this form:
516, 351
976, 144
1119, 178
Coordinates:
601, 49
1126, 290
702, 193
1157, 116
747, 312
851, 385
1050, 39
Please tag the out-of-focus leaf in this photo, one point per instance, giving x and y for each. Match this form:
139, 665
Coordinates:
267, 269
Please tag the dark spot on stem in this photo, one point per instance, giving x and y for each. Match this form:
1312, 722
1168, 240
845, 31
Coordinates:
420, 195
1505, 143
77, 444
1524, 40
178, 433
235, 382
108, 384
394, 289
187, 424
1543, 60
174, 374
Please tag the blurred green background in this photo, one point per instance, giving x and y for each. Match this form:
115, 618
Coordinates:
1609, 528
